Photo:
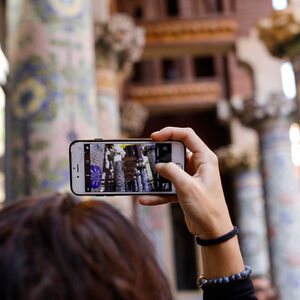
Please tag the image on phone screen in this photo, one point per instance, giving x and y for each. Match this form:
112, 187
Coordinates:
116, 167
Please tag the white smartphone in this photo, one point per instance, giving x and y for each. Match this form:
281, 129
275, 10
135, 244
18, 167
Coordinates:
122, 167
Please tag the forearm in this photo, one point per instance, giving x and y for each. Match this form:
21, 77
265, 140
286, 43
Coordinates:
222, 260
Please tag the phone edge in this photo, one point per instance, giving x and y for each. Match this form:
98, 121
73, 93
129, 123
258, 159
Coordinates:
120, 140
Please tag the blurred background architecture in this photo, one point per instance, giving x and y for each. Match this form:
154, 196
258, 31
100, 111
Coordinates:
230, 69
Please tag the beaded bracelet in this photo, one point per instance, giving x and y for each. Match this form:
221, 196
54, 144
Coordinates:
201, 282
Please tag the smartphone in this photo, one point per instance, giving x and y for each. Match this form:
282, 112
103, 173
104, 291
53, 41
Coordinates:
122, 167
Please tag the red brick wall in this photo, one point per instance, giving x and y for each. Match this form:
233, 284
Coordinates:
240, 77
248, 12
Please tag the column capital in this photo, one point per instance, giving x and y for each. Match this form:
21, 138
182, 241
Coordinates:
260, 113
280, 31
120, 36
133, 118
237, 158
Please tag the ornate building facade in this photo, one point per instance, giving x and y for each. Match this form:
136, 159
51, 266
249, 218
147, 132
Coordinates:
202, 59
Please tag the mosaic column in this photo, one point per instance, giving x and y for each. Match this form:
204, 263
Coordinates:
119, 43
51, 91
150, 152
119, 174
271, 118
250, 206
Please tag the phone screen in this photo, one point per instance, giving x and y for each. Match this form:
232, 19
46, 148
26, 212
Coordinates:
119, 167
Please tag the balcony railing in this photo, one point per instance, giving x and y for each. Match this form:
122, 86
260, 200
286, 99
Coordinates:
190, 31
177, 95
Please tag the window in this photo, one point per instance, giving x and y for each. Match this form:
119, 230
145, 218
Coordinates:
219, 5
288, 80
138, 13
279, 4
137, 72
171, 70
295, 143
233, 5
204, 67
185, 256
172, 7
212, 6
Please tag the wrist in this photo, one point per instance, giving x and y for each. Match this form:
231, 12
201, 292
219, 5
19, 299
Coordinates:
215, 229
218, 240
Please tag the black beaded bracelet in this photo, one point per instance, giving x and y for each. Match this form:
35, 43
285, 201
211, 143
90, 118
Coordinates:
218, 240
203, 282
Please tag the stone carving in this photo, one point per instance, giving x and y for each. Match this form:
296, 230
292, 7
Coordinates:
237, 158
281, 32
253, 112
133, 118
120, 36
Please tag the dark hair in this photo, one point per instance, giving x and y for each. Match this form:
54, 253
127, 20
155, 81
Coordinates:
58, 248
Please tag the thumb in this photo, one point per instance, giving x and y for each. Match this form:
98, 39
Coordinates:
173, 173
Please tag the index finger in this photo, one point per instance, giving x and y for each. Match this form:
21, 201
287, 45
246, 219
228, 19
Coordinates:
186, 135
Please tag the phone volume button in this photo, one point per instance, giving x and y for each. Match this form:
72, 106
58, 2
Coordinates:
98, 139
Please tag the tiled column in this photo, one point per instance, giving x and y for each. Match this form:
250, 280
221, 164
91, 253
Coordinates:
107, 94
270, 117
250, 206
51, 91
252, 220
119, 43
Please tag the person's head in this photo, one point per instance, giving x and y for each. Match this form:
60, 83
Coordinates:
263, 288
58, 248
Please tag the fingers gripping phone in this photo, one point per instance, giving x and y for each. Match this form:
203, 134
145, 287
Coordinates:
122, 167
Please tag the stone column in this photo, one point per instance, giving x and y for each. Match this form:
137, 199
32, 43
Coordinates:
242, 162
270, 117
51, 99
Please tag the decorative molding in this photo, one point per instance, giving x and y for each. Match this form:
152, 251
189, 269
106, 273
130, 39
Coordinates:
190, 31
176, 93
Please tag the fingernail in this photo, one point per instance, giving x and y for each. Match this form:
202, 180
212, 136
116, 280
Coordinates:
159, 165
155, 132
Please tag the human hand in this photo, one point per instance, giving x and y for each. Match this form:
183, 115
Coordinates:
199, 190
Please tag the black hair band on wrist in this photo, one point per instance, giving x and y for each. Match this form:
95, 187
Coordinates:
218, 240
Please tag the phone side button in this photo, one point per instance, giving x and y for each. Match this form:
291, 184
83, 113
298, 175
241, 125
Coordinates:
179, 165
98, 139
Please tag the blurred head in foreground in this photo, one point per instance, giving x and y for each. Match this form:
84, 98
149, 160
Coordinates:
263, 288
58, 248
